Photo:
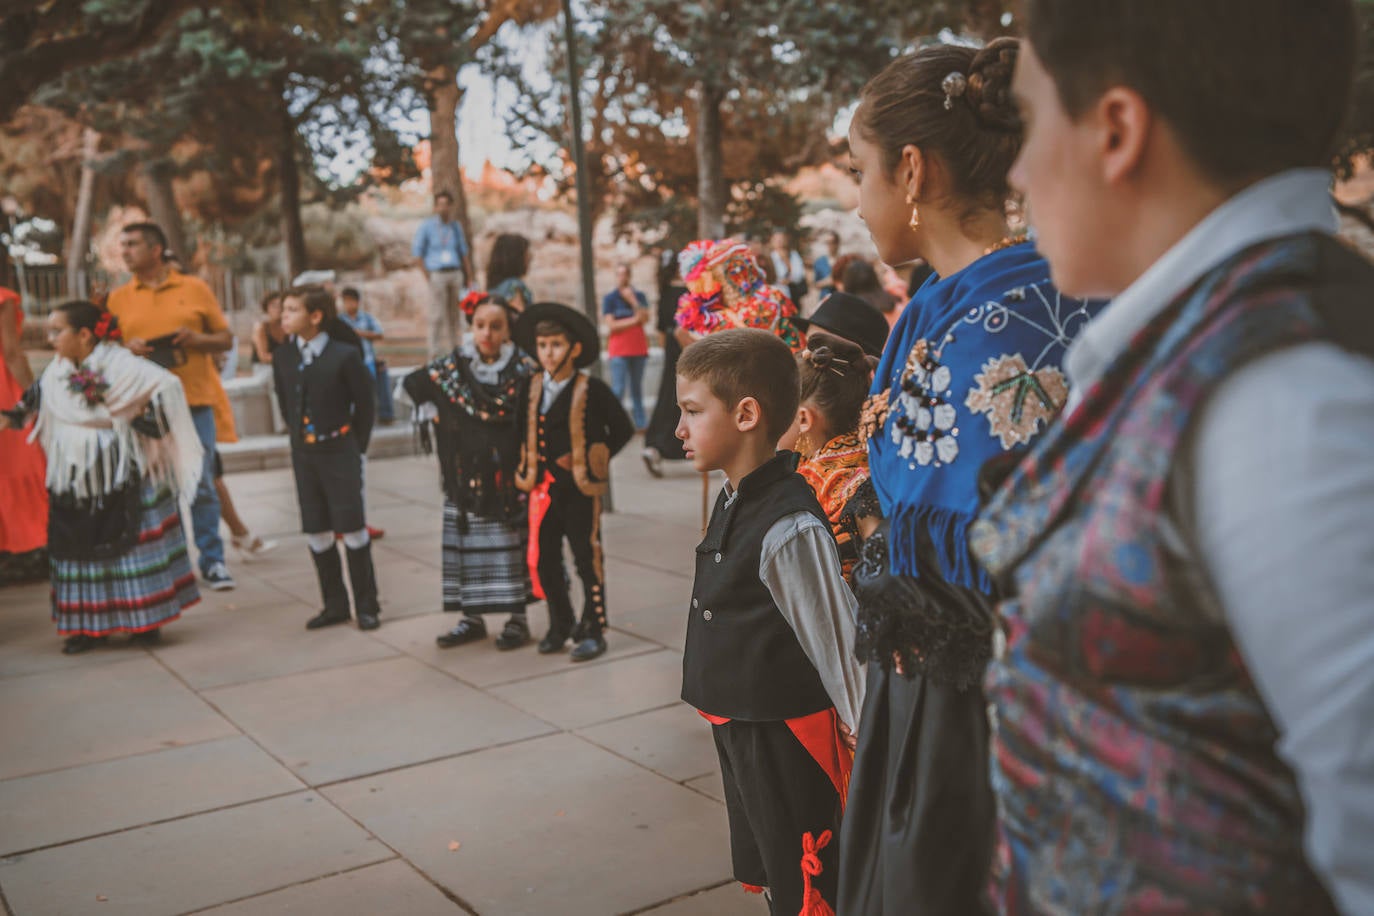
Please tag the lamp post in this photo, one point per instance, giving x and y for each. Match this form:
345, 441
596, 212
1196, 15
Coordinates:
584, 206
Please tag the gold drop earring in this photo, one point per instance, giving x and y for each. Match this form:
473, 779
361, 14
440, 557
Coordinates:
915, 221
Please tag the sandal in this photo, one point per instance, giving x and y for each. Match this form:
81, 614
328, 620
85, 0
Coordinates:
250, 546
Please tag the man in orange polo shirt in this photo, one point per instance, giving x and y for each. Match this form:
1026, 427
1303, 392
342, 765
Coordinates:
173, 319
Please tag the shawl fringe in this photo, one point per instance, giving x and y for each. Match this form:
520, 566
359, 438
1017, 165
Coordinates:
94, 450
948, 546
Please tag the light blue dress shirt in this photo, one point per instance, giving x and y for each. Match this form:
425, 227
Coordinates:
442, 246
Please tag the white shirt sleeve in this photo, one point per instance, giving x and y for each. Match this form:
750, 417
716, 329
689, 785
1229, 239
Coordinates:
1280, 474
800, 566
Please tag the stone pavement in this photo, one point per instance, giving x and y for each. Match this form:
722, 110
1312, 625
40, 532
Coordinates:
246, 766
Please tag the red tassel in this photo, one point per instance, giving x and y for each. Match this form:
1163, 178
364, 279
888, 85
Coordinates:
538, 508
813, 904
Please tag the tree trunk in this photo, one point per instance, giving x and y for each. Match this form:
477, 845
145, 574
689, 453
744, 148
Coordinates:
79, 244
445, 174
710, 163
162, 208
292, 228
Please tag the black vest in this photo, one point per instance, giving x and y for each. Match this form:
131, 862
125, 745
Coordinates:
742, 659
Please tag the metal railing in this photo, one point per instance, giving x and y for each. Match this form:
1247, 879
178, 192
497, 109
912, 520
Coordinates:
43, 288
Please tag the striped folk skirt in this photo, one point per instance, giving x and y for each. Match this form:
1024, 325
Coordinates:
484, 567
141, 589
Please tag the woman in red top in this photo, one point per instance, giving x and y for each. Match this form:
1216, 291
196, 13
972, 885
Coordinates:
624, 313
23, 492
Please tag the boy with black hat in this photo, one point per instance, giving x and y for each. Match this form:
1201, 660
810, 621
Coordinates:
572, 425
326, 395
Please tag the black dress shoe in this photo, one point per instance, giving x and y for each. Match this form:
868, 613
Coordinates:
147, 637
325, 619
368, 621
552, 643
588, 649
514, 635
469, 629
75, 645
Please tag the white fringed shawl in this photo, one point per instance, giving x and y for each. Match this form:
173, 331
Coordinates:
92, 450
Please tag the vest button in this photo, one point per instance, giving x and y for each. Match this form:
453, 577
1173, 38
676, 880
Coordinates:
717, 558
705, 615
696, 603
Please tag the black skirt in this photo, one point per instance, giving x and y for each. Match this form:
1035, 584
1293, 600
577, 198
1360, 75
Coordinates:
661, 431
917, 837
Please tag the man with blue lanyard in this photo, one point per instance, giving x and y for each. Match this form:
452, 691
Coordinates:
441, 249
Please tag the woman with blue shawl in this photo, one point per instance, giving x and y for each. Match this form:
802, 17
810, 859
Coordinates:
970, 373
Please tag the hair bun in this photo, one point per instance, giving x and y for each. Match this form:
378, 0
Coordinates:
821, 357
989, 85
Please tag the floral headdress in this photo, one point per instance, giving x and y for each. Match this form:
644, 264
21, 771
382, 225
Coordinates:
691, 260
473, 301
106, 328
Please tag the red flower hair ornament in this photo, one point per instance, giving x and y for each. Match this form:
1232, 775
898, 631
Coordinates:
106, 328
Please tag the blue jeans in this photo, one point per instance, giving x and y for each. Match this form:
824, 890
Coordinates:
205, 507
630, 369
381, 380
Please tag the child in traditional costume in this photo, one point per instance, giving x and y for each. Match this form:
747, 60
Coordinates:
120, 446
1184, 697
835, 376
469, 399
328, 401
972, 371
769, 659
571, 425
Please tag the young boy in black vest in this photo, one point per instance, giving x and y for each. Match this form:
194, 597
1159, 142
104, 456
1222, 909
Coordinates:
326, 396
769, 659
571, 425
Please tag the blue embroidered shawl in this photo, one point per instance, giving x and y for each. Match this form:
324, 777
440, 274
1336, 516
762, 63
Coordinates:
971, 370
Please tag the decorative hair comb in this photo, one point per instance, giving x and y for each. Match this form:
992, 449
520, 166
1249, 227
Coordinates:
825, 358
954, 85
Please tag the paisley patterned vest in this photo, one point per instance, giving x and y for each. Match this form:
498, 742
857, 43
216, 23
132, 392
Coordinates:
1134, 762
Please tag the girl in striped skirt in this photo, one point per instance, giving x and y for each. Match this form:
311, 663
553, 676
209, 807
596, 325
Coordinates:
120, 446
468, 399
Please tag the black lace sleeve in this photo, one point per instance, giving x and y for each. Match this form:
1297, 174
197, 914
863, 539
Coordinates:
863, 504
26, 406
938, 629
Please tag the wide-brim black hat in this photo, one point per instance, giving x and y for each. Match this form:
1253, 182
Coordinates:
846, 315
579, 327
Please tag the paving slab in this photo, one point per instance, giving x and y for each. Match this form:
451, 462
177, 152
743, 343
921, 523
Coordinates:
101, 712
581, 696
29, 643
191, 863
481, 664
352, 720
100, 798
631, 585
554, 825
711, 786
404, 586
674, 742
391, 887
231, 647
727, 900
665, 624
